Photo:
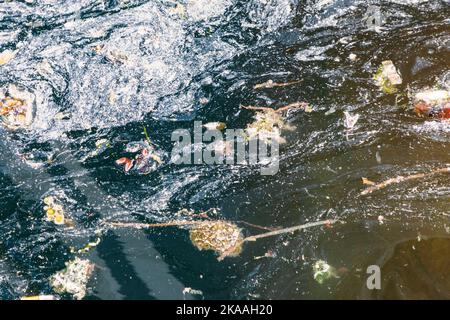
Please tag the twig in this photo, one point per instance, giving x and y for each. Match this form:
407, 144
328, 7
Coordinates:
400, 179
135, 225
295, 105
257, 226
289, 230
270, 84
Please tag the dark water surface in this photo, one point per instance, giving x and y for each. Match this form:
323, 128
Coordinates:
218, 50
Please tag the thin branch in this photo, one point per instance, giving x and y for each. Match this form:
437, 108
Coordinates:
401, 179
270, 84
295, 105
290, 230
257, 226
265, 109
151, 225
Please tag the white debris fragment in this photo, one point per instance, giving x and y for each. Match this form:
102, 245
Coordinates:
350, 120
74, 278
192, 291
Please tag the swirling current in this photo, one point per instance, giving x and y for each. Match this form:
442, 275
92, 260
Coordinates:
103, 70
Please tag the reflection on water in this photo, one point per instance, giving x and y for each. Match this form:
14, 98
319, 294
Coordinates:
106, 69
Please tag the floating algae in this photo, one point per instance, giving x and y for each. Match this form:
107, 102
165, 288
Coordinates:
223, 237
16, 108
387, 77
74, 278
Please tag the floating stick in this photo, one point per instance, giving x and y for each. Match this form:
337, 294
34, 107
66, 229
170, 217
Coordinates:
152, 225
400, 179
289, 230
295, 105
270, 84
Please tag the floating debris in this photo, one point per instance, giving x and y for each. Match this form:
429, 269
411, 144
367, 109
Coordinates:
192, 291
55, 212
115, 56
268, 254
353, 57
215, 126
179, 10
16, 108
270, 84
62, 116
367, 181
400, 179
203, 100
7, 56
74, 278
100, 146
145, 162
126, 162
269, 122
89, 245
40, 297
350, 120
433, 103
225, 238
387, 77
37, 159
323, 272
